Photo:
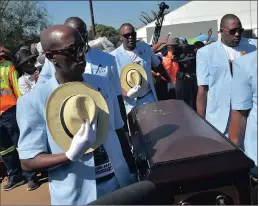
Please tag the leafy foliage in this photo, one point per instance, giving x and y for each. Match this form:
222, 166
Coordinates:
21, 22
105, 31
146, 19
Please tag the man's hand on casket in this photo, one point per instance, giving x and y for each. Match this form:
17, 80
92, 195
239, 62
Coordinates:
82, 141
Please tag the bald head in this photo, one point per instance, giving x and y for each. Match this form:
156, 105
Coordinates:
227, 19
58, 36
231, 30
78, 24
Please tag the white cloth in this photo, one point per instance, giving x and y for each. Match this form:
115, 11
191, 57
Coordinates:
232, 52
103, 44
26, 83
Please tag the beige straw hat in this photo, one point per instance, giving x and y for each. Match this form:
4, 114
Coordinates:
69, 106
133, 75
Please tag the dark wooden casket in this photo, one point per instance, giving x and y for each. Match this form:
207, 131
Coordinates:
187, 157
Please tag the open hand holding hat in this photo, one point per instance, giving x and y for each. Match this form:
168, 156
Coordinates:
77, 118
134, 80
83, 140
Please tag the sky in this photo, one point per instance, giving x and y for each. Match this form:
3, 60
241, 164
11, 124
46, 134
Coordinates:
110, 13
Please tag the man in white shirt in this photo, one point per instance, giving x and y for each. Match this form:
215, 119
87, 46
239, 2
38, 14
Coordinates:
214, 72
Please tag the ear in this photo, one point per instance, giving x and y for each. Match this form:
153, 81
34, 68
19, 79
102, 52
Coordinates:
120, 37
51, 57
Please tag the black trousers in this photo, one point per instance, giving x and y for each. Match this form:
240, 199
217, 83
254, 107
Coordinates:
9, 136
186, 90
161, 90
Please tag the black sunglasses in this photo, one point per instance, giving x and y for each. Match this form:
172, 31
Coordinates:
232, 32
74, 51
128, 35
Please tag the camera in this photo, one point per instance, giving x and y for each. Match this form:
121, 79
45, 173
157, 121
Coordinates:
163, 6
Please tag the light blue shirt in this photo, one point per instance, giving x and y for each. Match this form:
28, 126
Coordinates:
213, 70
149, 59
73, 183
244, 97
98, 63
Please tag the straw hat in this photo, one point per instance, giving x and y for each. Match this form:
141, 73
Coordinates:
133, 75
69, 106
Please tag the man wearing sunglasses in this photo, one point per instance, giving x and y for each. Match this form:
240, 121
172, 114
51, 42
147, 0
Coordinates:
141, 53
98, 63
101, 64
214, 72
72, 180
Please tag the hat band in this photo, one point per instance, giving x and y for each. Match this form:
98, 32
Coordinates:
62, 118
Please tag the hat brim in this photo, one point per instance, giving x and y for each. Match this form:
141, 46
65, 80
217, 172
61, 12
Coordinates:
53, 108
27, 59
125, 86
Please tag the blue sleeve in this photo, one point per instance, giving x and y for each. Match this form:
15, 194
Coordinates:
241, 89
46, 72
202, 68
33, 136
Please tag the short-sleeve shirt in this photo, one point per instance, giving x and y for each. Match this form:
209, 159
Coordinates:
73, 183
244, 97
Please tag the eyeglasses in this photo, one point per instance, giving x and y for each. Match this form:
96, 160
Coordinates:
128, 35
232, 32
74, 51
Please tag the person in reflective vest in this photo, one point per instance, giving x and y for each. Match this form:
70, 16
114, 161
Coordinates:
9, 131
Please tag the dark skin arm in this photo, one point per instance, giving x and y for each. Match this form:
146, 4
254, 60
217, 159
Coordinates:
123, 111
44, 162
126, 149
160, 69
201, 100
158, 44
237, 125
209, 35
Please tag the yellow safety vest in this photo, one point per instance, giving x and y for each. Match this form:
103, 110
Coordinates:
9, 89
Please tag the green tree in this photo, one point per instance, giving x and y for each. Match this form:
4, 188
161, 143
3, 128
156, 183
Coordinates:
21, 22
104, 31
146, 19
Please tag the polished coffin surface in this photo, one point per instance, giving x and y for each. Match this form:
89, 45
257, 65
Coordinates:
170, 137
186, 157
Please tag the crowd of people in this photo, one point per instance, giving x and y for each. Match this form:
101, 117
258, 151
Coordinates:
217, 79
